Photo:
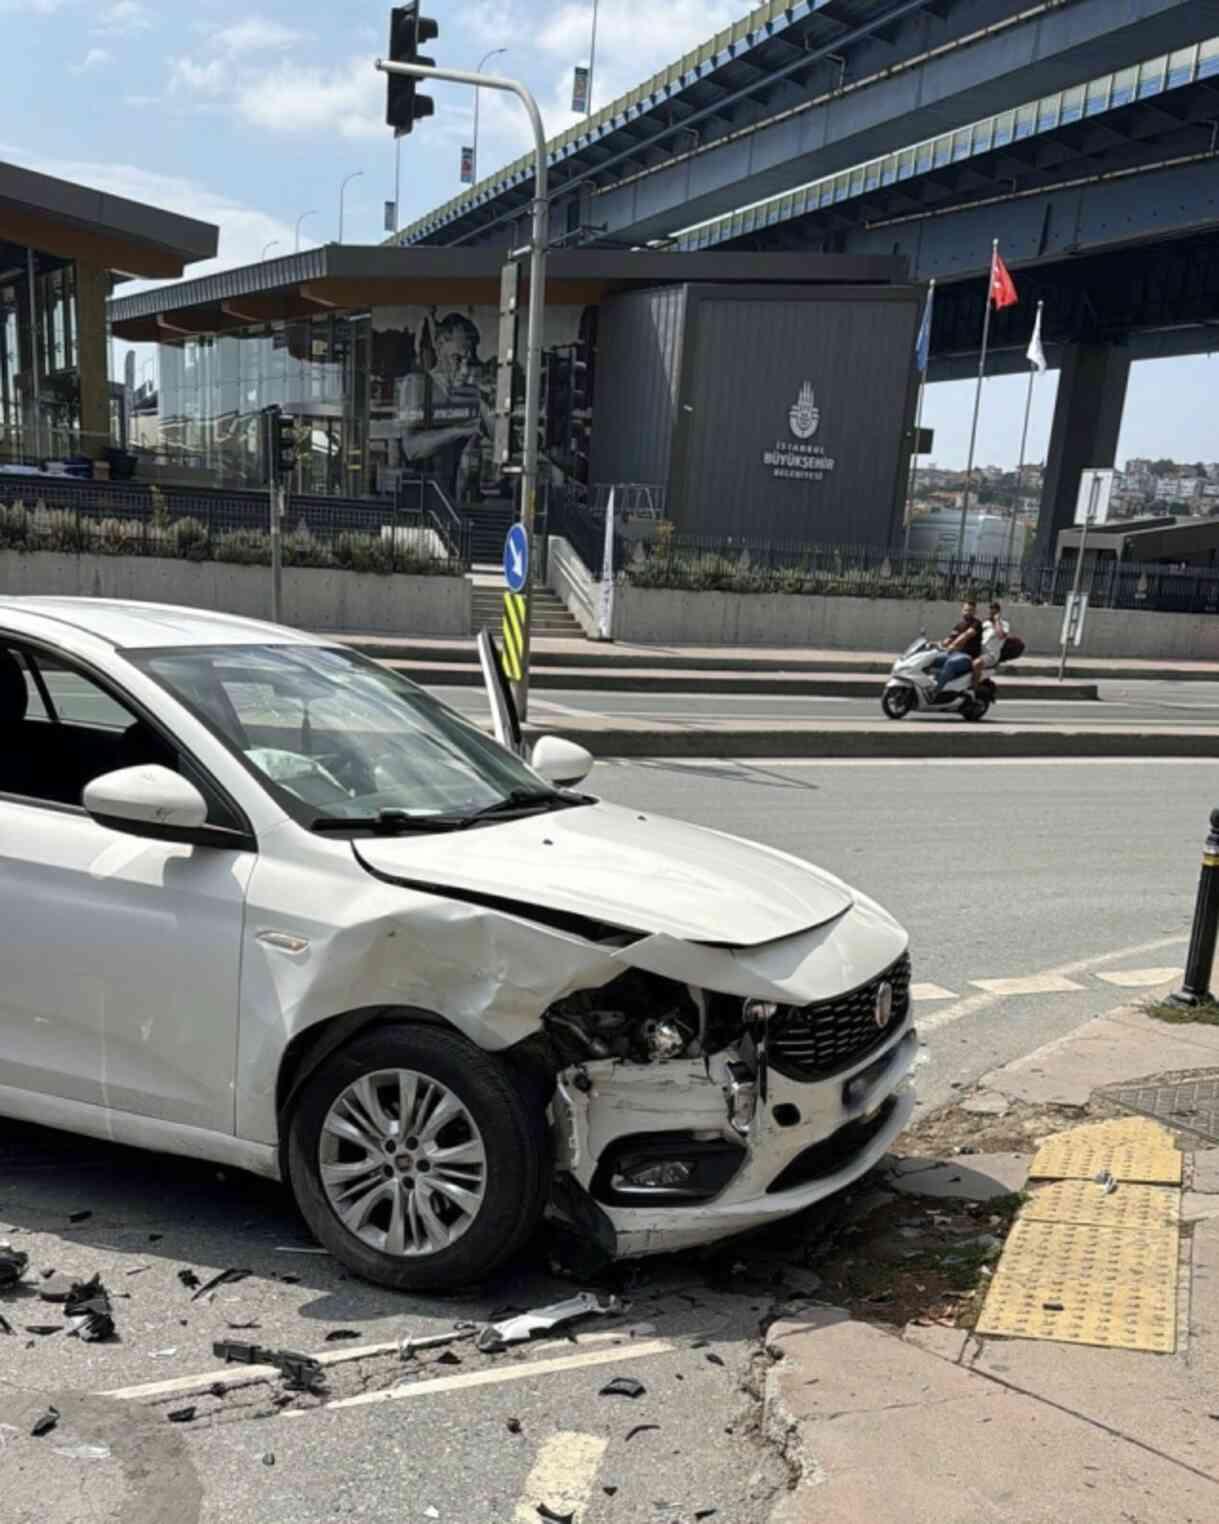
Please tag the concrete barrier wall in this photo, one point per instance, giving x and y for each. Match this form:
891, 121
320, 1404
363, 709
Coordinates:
666, 616
313, 598
568, 578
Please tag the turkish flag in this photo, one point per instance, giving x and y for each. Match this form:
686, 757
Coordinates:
1002, 286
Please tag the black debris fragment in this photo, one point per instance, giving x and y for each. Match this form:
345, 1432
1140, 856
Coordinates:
189, 1279
45, 1422
289, 1280
5, 1326
714, 1359
301, 1373
706, 1513
623, 1386
225, 1278
609, 1491
181, 1415
242, 1323
641, 1428
552, 1516
80, 1216
42, 1329
269, 1458
155, 1238
514, 1426
12, 1265
218, 1389
88, 1310
336, 1334
699, 1344
448, 1358
47, 1273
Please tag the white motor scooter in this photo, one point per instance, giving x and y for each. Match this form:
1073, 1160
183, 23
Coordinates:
912, 685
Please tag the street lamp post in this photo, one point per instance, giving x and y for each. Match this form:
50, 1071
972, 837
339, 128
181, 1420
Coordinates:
592, 61
494, 53
274, 244
299, 220
342, 193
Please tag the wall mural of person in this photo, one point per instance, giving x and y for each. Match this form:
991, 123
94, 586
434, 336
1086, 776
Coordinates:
436, 415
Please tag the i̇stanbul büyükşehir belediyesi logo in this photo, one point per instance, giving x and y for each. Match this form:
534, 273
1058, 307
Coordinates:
804, 414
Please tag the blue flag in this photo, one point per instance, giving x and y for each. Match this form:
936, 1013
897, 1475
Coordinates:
922, 345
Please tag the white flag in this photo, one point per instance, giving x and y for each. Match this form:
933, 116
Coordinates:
1035, 353
605, 618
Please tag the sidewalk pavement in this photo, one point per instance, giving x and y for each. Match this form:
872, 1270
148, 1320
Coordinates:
937, 1425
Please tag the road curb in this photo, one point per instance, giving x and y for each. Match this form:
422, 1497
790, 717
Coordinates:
898, 740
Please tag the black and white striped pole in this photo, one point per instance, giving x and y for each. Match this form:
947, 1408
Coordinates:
1196, 986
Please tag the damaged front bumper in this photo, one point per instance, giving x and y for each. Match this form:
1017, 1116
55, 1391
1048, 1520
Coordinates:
806, 1140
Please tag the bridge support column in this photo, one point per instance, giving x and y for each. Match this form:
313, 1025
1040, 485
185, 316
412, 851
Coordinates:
1087, 421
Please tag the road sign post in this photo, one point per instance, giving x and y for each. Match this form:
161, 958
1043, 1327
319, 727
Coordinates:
1091, 507
537, 305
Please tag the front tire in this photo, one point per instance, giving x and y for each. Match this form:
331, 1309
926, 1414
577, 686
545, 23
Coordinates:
416, 1160
897, 702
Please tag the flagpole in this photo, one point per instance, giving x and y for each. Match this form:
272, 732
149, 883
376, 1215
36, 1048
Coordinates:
918, 429
918, 421
1024, 435
973, 433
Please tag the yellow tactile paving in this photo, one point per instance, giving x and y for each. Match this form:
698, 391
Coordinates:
1038, 1252
1129, 1206
1134, 1149
1083, 1265
1139, 1317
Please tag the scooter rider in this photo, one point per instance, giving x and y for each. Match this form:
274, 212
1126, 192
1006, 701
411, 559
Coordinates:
962, 646
994, 633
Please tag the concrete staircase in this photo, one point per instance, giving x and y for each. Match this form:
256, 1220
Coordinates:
550, 614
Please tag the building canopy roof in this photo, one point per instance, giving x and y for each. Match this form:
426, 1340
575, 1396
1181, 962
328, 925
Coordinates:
351, 277
69, 221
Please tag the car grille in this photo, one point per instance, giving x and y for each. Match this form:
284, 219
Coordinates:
815, 1041
832, 1154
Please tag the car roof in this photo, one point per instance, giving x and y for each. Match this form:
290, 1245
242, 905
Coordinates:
130, 625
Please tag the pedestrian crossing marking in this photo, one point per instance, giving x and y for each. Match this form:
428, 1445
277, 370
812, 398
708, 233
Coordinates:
931, 992
1034, 984
513, 657
1142, 978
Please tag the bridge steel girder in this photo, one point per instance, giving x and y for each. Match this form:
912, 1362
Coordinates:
1063, 46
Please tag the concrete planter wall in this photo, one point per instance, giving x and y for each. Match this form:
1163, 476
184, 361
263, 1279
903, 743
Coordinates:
568, 576
313, 598
667, 616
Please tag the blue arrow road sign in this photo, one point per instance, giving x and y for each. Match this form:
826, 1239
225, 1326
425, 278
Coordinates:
516, 559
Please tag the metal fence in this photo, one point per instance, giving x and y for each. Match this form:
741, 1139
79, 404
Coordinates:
656, 556
404, 533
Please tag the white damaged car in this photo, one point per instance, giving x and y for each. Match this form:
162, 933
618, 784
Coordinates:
266, 903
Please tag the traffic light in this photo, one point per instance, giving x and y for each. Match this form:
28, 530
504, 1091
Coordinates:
408, 31
283, 444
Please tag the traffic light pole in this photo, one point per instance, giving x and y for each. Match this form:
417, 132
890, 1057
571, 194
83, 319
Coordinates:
537, 309
278, 493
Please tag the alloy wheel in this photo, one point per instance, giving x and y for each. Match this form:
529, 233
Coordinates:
402, 1162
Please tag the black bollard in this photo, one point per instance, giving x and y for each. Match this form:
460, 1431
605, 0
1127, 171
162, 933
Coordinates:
1196, 989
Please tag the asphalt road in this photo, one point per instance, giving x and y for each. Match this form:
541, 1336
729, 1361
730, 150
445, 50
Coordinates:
1121, 704
1049, 873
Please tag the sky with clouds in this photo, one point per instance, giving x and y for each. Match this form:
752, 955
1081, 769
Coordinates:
250, 115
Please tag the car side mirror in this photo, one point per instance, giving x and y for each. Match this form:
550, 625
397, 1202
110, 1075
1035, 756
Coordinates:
561, 762
151, 801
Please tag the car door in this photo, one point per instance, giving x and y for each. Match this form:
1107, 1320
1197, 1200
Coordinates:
120, 954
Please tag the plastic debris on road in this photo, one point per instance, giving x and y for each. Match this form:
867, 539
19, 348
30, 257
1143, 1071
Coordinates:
13, 1265
515, 1330
623, 1386
45, 1422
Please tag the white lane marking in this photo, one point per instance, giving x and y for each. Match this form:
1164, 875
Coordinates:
1142, 978
234, 1376
930, 992
972, 1005
1030, 984
562, 1477
429, 1388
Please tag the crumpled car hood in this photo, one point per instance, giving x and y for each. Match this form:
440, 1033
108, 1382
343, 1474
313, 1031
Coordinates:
638, 872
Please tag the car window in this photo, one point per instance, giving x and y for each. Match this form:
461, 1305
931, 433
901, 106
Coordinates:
78, 700
35, 709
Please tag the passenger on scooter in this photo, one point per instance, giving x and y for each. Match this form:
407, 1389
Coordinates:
962, 646
994, 632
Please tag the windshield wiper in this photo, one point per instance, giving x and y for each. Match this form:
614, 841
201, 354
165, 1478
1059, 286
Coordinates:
389, 822
522, 799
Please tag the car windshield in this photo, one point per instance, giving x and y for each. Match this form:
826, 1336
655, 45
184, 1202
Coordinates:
337, 738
